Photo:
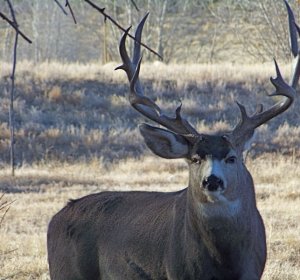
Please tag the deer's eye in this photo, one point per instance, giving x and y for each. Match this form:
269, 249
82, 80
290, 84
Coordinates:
196, 159
230, 160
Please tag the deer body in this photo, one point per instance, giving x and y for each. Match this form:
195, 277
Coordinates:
152, 235
160, 240
211, 230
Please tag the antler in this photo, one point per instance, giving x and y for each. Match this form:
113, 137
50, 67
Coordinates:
139, 101
245, 128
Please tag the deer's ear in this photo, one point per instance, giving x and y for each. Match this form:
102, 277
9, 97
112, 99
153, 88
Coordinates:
243, 144
164, 143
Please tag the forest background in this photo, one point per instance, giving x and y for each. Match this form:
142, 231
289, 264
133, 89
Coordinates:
198, 31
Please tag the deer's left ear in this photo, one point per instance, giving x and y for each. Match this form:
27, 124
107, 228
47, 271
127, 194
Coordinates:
243, 143
164, 143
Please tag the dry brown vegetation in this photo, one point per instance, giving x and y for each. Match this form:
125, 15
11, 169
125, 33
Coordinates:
80, 112
77, 135
40, 191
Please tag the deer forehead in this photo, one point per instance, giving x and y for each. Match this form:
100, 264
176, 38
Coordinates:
217, 147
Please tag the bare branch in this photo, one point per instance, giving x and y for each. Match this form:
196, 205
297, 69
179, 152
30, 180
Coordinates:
11, 108
71, 11
15, 26
12, 89
61, 7
135, 5
106, 16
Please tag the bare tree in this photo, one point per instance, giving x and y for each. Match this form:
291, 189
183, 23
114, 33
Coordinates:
13, 23
205, 29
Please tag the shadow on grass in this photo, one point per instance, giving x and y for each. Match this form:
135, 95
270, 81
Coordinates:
40, 184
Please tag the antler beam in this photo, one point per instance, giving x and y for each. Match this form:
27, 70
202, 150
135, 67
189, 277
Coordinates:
138, 100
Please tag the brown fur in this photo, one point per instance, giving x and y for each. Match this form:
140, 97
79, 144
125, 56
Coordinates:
153, 235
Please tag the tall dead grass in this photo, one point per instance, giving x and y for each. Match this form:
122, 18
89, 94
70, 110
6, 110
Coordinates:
182, 73
62, 108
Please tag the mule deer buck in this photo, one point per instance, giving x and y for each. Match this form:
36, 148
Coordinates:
210, 230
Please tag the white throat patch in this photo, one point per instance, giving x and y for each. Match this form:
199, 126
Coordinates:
220, 208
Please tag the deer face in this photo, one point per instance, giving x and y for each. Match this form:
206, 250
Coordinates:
215, 164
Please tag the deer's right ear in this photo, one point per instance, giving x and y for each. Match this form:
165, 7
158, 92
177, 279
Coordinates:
164, 143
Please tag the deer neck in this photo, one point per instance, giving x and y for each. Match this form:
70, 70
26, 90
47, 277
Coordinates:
221, 226
235, 203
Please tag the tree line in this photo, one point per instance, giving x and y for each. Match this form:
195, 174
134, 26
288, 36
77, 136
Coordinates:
200, 31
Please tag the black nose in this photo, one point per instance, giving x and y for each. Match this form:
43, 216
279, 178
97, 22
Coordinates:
212, 183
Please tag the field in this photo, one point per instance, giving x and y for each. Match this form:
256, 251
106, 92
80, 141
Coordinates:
72, 157
40, 191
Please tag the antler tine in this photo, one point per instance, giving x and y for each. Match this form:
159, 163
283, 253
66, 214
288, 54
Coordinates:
294, 33
295, 77
127, 64
138, 100
138, 37
292, 29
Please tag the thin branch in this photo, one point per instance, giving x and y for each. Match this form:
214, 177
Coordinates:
135, 5
2, 218
11, 108
16, 28
71, 11
4, 205
12, 12
61, 7
106, 16
6, 253
12, 89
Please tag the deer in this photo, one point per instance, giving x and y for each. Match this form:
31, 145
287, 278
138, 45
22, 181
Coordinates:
210, 230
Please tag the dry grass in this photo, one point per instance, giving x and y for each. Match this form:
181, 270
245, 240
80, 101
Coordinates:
40, 191
76, 135
62, 108
159, 71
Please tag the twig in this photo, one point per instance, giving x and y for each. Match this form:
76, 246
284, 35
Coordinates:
1, 198
106, 16
61, 7
67, 4
2, 218
134, 4
4, 205
16, 28
8, 252
71, 10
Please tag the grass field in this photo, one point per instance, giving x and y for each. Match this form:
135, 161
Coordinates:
39, 191
70, 112
76, 135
